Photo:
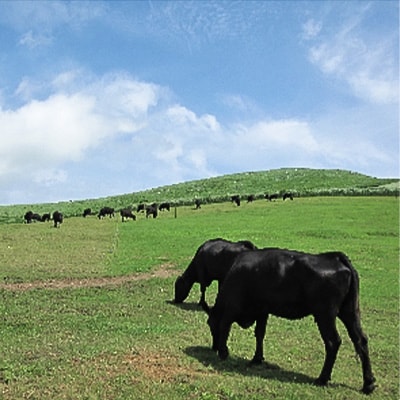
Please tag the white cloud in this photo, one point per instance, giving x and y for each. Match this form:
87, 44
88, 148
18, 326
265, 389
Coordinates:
33, 41
62, 127
370, 67
311, 28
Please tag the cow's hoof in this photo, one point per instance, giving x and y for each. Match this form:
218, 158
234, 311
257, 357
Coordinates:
368, 388
320, 382
223, 354
256, 361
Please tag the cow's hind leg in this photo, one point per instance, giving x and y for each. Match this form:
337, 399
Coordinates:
224, 329
353, 325
332, 341
259, 333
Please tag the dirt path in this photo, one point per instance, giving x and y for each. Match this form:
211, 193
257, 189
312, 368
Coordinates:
163, 271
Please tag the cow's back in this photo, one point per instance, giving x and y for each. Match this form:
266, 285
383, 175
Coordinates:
285, 283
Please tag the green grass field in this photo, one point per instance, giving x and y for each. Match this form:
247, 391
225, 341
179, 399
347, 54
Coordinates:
86, 313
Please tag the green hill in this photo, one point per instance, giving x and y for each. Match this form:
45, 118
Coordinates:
302, 182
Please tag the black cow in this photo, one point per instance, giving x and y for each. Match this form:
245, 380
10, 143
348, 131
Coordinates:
251, 198
57, 218
292, 285
287, 196
141, 207
236, 199
36, 217
127, 213
197, 204
28, 217
106, 211
164, 206
212, 261
46, 217
271, 197
152, 210
86, 212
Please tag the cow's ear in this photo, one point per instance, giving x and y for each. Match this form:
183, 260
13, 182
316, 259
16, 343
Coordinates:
205, 307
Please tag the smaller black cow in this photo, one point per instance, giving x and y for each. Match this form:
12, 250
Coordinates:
197, 204
36, 217
46, 217
164, 206
251, 198
106, 211
127, 213
57, 219
86, 212
28, 217
287, 195
235, 199
292, 285
141, 207
212, 261
271, 197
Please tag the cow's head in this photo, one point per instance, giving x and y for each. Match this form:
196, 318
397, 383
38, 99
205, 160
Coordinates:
182, 289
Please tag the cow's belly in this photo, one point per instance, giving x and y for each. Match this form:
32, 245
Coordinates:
289, 310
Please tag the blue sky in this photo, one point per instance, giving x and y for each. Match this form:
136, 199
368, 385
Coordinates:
104, 98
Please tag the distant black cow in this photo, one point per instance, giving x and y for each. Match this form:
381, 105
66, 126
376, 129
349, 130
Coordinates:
46, 217
28, 217
212, 261
127, 213
271, 197
141, 207
86, 212
236, 199
287, 196
57, 219
151, 210
197, 204
292, 285
251, 198
36, 217
164, 206
106, 211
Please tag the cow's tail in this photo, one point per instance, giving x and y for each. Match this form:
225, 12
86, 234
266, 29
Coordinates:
352, 299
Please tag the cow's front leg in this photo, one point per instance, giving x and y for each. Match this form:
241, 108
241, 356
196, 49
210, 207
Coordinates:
259, 333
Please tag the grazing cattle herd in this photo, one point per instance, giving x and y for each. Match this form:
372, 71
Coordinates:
256, 283
150, 210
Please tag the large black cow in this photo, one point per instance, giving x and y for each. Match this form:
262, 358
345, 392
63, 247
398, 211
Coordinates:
127, 213
57, 218
106, 211
197, 204
292, 285
212, 261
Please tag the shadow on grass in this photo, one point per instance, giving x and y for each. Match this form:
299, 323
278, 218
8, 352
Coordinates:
241, 366
186, 306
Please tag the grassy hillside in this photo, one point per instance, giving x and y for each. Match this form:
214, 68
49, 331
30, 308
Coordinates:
302, 182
